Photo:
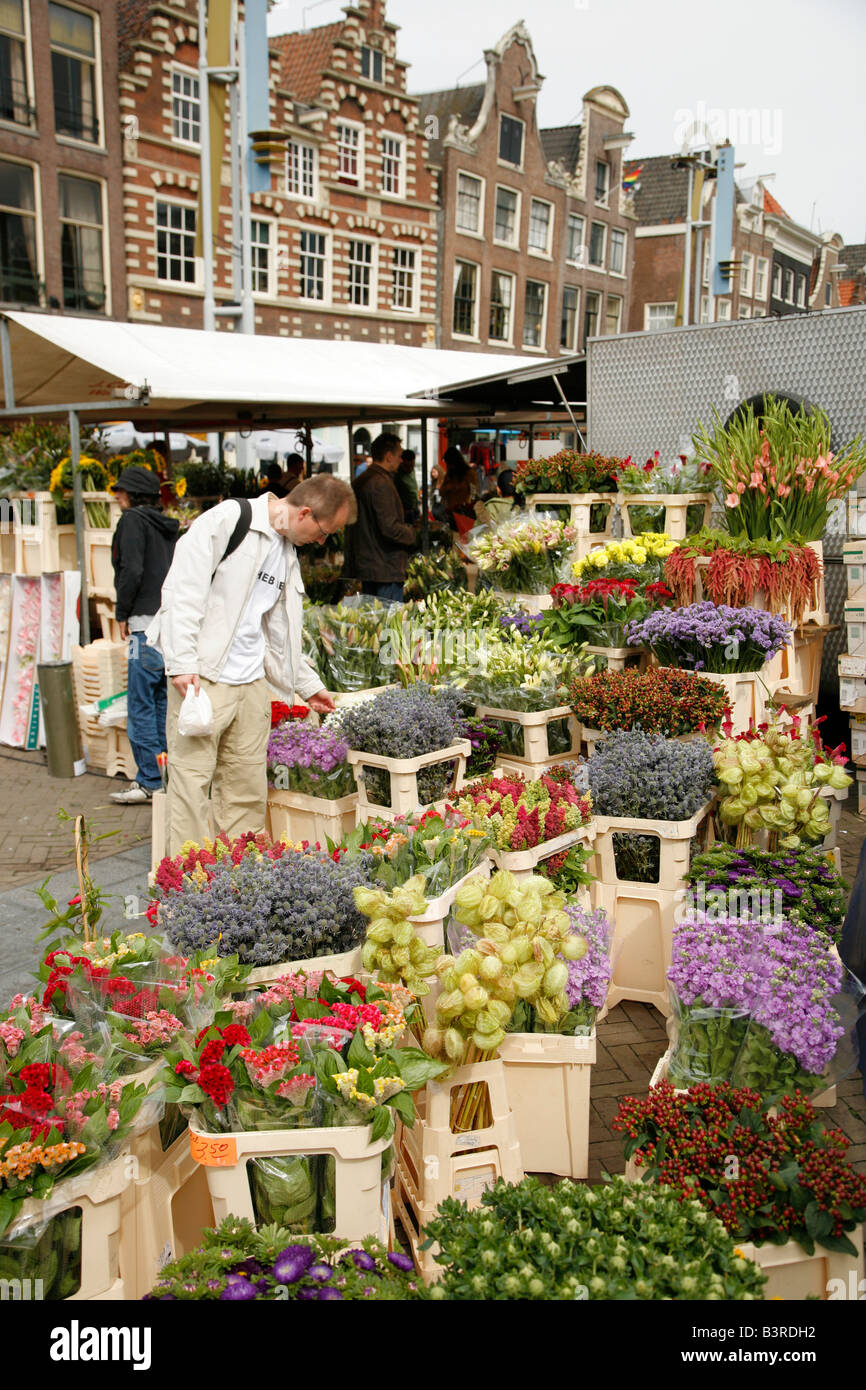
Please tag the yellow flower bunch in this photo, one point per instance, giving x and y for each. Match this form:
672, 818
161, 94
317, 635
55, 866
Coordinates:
180, 488
636, 550
346, 1084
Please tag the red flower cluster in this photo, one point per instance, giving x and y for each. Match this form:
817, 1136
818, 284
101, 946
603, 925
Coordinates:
505, 796
668, 702
212, 1076
280, 712
33, 1108
170, 874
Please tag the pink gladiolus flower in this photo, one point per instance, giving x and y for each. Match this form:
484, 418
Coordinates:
741, 487
732, 499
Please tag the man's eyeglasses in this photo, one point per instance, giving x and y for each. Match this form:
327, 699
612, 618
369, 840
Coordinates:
323, 534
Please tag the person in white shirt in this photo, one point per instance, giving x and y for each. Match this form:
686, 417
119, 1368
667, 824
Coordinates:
230, 623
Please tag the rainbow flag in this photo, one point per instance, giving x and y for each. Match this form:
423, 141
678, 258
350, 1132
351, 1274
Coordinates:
632, 180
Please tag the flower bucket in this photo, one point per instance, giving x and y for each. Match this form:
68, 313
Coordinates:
355, 1179
170, 1207
679, 514
548, 1078
527, 603
590, 513
346, 964
748, 694
524, 862
403, 775
41, 546
430, 924
294, 816
793, 1275
342, 698
537, 755
825, 1100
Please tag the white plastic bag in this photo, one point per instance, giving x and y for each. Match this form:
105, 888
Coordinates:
196, 714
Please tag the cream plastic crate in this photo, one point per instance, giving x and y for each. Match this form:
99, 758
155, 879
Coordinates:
343, 698
294, 816
815, 610
434, 1162
799, 664
524, 862
793, 1275
747, 692
580, 506
527, 603
548, 1080
676, 505
620, 658
358, 1164
430, 924
825, 1101
404, 779
41, 546
99, 1194
121, 759
165, 1209
347, 963
674, 838
536, 757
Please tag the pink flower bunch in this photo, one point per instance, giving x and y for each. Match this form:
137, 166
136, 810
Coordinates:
292, 986
297, 1088
74, 1106
75, 1055
11, 1038
157, 1027
271, 1064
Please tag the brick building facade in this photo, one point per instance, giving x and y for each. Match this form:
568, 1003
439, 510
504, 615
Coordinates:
343, 241
61, 227
777, 266
534, 232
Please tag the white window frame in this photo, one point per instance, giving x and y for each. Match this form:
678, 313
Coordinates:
482, 185
591, 294
178, 70
723, 311
705, 309
541, 345
303, 146
507, 341
396, 250
538, 250
518, 210
505, 163
30, 123
326, 265
473, 334
744, 311
374, 53
400, 142
648, 321
599, 264
572, 346
37, 216
580, 258
761, 266
613, 299
271, 269
605, 201
747, 274
705, 270
788, 284
103, 204
97, 79
372, 265
198, 264
349, 180
800, 291
617, 231
777, 281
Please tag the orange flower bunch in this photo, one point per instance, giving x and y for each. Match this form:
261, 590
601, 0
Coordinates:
20, 1161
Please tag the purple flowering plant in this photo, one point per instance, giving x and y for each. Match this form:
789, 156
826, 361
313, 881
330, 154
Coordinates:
404, 724
757, 1004
588, 979
711, 637
312, 761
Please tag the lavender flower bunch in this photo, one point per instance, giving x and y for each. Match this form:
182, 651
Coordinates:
289, 909
711, 637
589, 977
648, 777
312, 761
756, 1003
404, 724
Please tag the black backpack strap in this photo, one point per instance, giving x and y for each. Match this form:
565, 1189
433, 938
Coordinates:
242, 526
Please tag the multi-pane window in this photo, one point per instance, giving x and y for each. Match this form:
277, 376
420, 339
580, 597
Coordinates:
465, 298
746, 268
72, 37
801, 291
575, 251
596, 243
613, 314
706, 316
660, 316
591, 315
14, 87
301, 169
788, 277
372, 64
511, 141
403, 287
705, 279
617, 252
175, 243
723, 310
777, 282
81, 243
745, 311
602, 181
393, 156
540, 220
185, 107
505, 221
348, 153
761, 278
468, 203
312, 265
533, 314
19, 266
261, 258
360, 273
568, 327
501, 301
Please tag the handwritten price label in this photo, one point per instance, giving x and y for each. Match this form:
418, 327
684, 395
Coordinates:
213, 1152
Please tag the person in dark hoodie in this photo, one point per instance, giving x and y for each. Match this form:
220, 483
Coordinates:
141, 552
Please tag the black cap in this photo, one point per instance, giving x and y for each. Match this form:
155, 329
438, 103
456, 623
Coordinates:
138, 480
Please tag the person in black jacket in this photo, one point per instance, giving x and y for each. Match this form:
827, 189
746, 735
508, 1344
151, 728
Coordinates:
141, 552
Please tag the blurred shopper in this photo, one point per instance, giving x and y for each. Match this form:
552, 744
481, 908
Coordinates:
377, 546
274, 476
407, 487
458, 488
295, 469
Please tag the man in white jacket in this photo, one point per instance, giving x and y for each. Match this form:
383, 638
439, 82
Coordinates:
230, 623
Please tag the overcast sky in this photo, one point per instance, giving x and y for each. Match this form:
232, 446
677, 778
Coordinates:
784, 77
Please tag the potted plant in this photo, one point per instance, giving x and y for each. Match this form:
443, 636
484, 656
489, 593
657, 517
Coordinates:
311, 792
523, 558
676, 704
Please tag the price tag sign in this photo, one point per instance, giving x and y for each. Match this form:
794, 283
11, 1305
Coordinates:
213, 1151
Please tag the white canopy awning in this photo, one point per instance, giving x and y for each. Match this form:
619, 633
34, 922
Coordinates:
189, 376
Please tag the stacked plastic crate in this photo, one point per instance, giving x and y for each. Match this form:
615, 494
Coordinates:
98, 672
852, 665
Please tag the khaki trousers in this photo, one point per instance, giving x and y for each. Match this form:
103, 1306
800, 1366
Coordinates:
225, 771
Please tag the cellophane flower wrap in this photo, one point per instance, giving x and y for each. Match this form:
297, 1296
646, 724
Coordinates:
655, 701
598, 612
711, 637
639, 557
800, 885
757, 1004
521, 673
655, 478
522, 557
346, 642
519, 815
425, 574
311, 761
440, 847
793, 1180
403, 724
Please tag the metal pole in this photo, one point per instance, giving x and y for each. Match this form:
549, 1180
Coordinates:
78, 507
530, 452
687, 269
425, 492
699, 270
350, 429
558, 386
248, 318
6, 357
209, 308
237, 234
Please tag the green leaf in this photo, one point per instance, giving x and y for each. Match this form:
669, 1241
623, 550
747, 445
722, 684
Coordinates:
416, 1068
383, 1124
359, 1054
403, 1103
838, 1244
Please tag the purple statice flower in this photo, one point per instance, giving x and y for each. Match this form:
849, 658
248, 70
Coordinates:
711, 637
589, 977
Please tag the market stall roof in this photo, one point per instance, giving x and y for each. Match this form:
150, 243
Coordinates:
185, 376
519, 390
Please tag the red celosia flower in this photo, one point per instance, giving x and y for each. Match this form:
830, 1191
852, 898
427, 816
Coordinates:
212, 1052
235, 1034
185, 1069
216, 1082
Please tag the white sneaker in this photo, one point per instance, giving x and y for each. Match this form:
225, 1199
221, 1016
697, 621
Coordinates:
135, 795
